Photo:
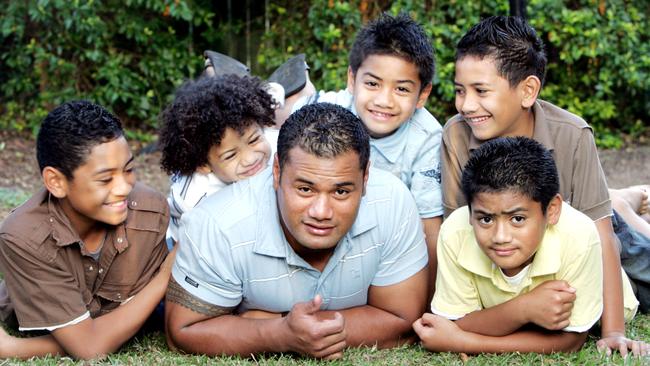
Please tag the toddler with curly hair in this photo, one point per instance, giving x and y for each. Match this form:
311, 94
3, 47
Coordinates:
213, 134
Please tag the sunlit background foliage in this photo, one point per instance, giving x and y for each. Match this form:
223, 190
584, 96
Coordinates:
129, 55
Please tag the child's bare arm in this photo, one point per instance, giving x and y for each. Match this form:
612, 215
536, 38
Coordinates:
431, 228
442, 335
93, 338
548, 306
613, 322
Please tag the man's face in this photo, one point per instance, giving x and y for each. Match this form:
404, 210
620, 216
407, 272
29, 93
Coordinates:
99, 187
509, 227
239, 156
318, 198
487, 102
386, 91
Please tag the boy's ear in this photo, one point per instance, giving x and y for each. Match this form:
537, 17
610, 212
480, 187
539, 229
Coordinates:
55, 182
424, 94
530, 88
554, 209
350, 86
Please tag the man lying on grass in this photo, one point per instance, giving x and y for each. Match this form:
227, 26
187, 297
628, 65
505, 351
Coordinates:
320, 254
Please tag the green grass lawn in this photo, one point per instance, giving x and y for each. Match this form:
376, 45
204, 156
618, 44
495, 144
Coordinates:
152, 350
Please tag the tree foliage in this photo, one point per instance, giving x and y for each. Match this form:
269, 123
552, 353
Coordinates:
130, 55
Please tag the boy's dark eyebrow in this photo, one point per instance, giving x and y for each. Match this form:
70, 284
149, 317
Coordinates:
472, 84
515, 210
111, 169
481, 212
509, 212
378, 78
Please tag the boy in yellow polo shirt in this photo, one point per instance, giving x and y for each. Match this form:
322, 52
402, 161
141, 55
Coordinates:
518, 269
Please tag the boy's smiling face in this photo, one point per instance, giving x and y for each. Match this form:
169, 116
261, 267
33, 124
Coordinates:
386, 90
238, 156
487, 102
99, 187
509, 227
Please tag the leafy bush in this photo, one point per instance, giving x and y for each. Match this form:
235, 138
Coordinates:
127, 55
130, 55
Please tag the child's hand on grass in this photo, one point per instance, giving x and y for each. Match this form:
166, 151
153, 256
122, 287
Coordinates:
439, 334
618, 341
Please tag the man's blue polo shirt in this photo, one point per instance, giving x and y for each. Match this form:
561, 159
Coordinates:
233, 251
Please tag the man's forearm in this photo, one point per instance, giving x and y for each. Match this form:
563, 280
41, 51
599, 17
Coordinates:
231, 335
431, 228
368, 326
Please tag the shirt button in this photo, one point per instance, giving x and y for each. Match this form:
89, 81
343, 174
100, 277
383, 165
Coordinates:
90, 268
120, 240
133, 203
101, 270
119, 296
51, 219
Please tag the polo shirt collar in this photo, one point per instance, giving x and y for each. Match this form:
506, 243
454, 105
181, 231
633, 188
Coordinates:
547, 259
541, 131
365, 220
269, 238
391, 147
62, 231
64, 234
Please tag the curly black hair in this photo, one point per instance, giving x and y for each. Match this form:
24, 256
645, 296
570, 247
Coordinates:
70, 131
200, 113
397, 36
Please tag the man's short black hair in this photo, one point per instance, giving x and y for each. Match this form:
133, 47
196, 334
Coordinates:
326, 131
513, 164
201, 112
398, 36
511, 42
70, 131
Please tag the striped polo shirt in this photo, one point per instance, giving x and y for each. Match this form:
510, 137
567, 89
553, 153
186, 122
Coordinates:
233, 252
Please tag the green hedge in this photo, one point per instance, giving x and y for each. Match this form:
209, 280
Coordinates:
130, 55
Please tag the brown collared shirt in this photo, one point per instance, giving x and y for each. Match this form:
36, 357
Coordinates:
571, 141
52, 281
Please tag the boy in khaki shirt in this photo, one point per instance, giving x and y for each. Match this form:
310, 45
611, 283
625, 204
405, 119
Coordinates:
84, 258
500, 66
